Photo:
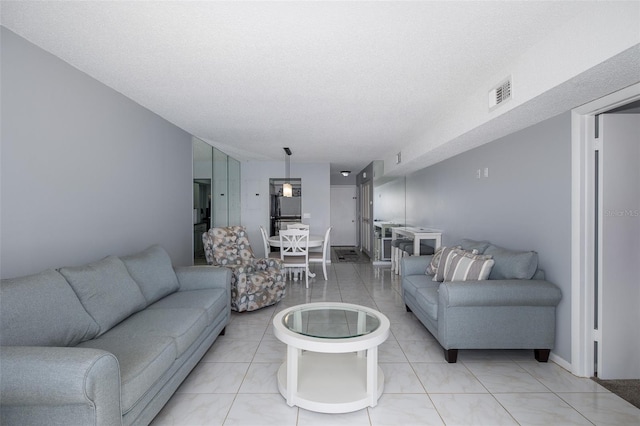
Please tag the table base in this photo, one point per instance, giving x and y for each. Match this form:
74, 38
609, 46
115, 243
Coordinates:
331, 383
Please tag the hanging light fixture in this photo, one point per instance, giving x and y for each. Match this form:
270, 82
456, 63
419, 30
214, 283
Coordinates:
287, 189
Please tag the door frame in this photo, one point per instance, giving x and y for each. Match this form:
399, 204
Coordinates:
582, 225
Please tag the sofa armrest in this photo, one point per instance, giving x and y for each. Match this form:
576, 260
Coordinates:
415, 265
57, 385
499, 293
203, 277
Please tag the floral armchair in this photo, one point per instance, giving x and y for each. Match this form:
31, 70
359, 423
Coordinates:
255, 283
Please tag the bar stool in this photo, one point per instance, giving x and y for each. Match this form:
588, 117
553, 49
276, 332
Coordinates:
406, 249
395, 253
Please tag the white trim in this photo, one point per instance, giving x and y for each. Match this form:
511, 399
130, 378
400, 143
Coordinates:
561, 362
582, 220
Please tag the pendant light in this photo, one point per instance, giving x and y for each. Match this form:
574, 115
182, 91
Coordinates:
287, 189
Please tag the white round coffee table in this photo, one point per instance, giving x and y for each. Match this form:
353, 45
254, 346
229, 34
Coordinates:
332, 356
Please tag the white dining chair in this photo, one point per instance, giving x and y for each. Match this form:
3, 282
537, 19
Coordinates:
297, 226
322, 257
294, 250
267, 247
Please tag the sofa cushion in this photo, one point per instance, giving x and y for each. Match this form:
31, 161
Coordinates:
412, 283
106, 290
143, 361
511, 264
153, 272
213, 301
183, 325
42, 310
427, 297
465, 266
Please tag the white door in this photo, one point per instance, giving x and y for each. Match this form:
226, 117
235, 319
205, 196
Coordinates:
618, 319
343, 215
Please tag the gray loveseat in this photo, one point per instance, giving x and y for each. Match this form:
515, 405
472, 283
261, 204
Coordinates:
106, 343
513, 309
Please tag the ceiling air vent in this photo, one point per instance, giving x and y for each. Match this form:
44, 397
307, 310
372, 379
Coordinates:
500, 94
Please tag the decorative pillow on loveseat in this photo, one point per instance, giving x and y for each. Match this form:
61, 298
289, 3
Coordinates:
462, 265
473, 245
432, 268
511, 264
445, 256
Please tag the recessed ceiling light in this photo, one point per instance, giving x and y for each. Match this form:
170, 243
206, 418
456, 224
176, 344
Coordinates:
346, 173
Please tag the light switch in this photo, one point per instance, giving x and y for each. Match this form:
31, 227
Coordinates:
486, 172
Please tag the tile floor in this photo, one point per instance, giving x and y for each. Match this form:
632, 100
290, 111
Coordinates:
235, 382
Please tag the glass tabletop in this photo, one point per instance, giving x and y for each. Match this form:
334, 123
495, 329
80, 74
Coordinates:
331, 323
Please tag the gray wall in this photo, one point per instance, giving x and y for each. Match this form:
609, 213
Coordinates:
316, 196
86, 172
525, 203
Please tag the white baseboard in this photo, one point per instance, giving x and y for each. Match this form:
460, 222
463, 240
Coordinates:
560, 361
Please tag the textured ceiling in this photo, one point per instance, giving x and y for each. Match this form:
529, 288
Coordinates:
345, 83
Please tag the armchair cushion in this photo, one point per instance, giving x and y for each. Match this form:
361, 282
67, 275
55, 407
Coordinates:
231, 246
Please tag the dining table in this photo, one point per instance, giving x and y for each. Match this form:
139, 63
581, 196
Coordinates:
314, 241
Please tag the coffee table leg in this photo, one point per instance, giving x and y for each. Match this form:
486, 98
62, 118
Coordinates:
361, 327
292, 374
372, 376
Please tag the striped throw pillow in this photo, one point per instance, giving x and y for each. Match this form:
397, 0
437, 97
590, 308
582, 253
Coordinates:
441, 260
465, 266
433, 265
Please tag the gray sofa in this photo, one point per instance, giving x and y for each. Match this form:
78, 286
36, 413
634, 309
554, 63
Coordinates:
514, 309
106, 343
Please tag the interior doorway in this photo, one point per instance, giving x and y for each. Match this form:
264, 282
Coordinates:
592, 338
343, 215
617, 270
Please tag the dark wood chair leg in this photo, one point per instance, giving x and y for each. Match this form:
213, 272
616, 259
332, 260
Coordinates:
408, 308
451, 355
542, 355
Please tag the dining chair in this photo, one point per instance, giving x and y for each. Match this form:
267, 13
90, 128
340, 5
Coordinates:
267, 247
297, 226
294, 250
322, 257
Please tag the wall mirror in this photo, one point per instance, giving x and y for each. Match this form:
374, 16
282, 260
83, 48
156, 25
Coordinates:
216, 193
